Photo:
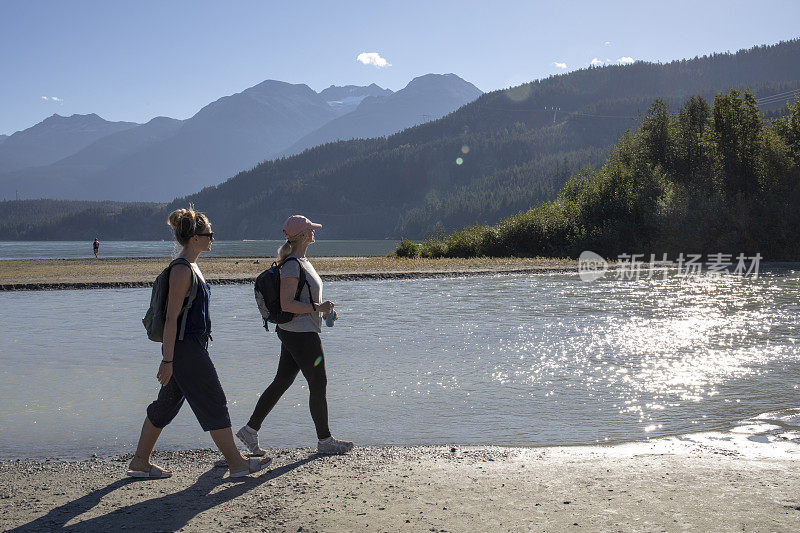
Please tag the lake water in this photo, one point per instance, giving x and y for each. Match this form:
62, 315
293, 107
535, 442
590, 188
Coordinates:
80, 249
506, 360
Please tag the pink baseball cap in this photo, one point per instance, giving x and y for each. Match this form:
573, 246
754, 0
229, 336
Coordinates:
297, 223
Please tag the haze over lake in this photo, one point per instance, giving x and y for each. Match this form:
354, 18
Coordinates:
265, 248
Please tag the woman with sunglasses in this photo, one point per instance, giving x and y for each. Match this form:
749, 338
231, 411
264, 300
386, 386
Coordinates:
301, 347
186, 371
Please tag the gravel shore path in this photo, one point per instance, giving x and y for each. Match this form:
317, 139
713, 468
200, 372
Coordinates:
614, 488
44, 274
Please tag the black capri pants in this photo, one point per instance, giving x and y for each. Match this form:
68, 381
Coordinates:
194, 379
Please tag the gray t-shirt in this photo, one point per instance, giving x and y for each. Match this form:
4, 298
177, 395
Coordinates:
307, 321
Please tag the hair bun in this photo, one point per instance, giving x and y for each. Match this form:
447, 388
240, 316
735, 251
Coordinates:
175, 217
186, 223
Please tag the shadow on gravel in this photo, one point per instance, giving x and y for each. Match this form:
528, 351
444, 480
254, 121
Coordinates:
166, 513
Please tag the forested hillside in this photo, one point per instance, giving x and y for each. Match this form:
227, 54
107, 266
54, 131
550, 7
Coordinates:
57, 220
698, 179
507, 151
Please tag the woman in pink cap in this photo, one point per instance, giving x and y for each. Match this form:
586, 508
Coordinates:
301, 348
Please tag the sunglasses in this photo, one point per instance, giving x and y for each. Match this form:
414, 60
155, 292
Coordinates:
210, 234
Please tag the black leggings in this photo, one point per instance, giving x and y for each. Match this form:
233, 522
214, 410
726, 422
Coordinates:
299, 352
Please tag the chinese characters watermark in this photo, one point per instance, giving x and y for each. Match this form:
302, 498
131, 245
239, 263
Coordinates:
592, 266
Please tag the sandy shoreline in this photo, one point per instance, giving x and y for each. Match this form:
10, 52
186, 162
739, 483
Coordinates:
634, 487
48, 274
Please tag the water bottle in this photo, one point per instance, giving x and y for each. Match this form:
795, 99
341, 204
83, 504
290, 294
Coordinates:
329, 318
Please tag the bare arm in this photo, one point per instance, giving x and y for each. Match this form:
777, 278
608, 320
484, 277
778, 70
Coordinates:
180, 281
288, 303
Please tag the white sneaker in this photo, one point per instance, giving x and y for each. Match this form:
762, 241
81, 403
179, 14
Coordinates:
331, 446
250, 440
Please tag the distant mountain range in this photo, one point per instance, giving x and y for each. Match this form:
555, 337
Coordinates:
347, 97
500, 154
493, 157
425, 99
84, 157
54, 138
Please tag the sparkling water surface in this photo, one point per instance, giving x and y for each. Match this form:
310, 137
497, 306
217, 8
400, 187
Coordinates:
507, 360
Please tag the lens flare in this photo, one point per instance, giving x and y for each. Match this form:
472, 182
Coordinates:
318, 361
459, 161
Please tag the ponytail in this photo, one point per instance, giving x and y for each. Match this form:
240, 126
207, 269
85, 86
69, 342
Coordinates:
284, 251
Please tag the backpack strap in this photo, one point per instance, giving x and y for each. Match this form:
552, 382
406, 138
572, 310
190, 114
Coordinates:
301, 282
310, 298
190, 298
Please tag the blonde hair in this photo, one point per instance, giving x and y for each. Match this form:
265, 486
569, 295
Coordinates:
186, 223
284, 250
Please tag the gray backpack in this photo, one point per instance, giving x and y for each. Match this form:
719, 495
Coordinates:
156, 315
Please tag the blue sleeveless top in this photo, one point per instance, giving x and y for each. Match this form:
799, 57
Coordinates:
199, 321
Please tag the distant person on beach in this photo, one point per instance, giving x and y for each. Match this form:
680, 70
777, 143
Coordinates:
96, 246
186, 371
301, 347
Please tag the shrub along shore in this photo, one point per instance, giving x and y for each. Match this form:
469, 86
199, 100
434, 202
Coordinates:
40, 274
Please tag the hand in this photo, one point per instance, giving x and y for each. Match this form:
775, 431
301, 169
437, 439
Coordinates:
325, 307
164, 373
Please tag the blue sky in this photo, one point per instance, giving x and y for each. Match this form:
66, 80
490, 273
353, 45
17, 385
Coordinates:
135, 60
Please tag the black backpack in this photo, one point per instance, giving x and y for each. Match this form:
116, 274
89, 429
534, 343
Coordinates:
157, 312
268, 293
